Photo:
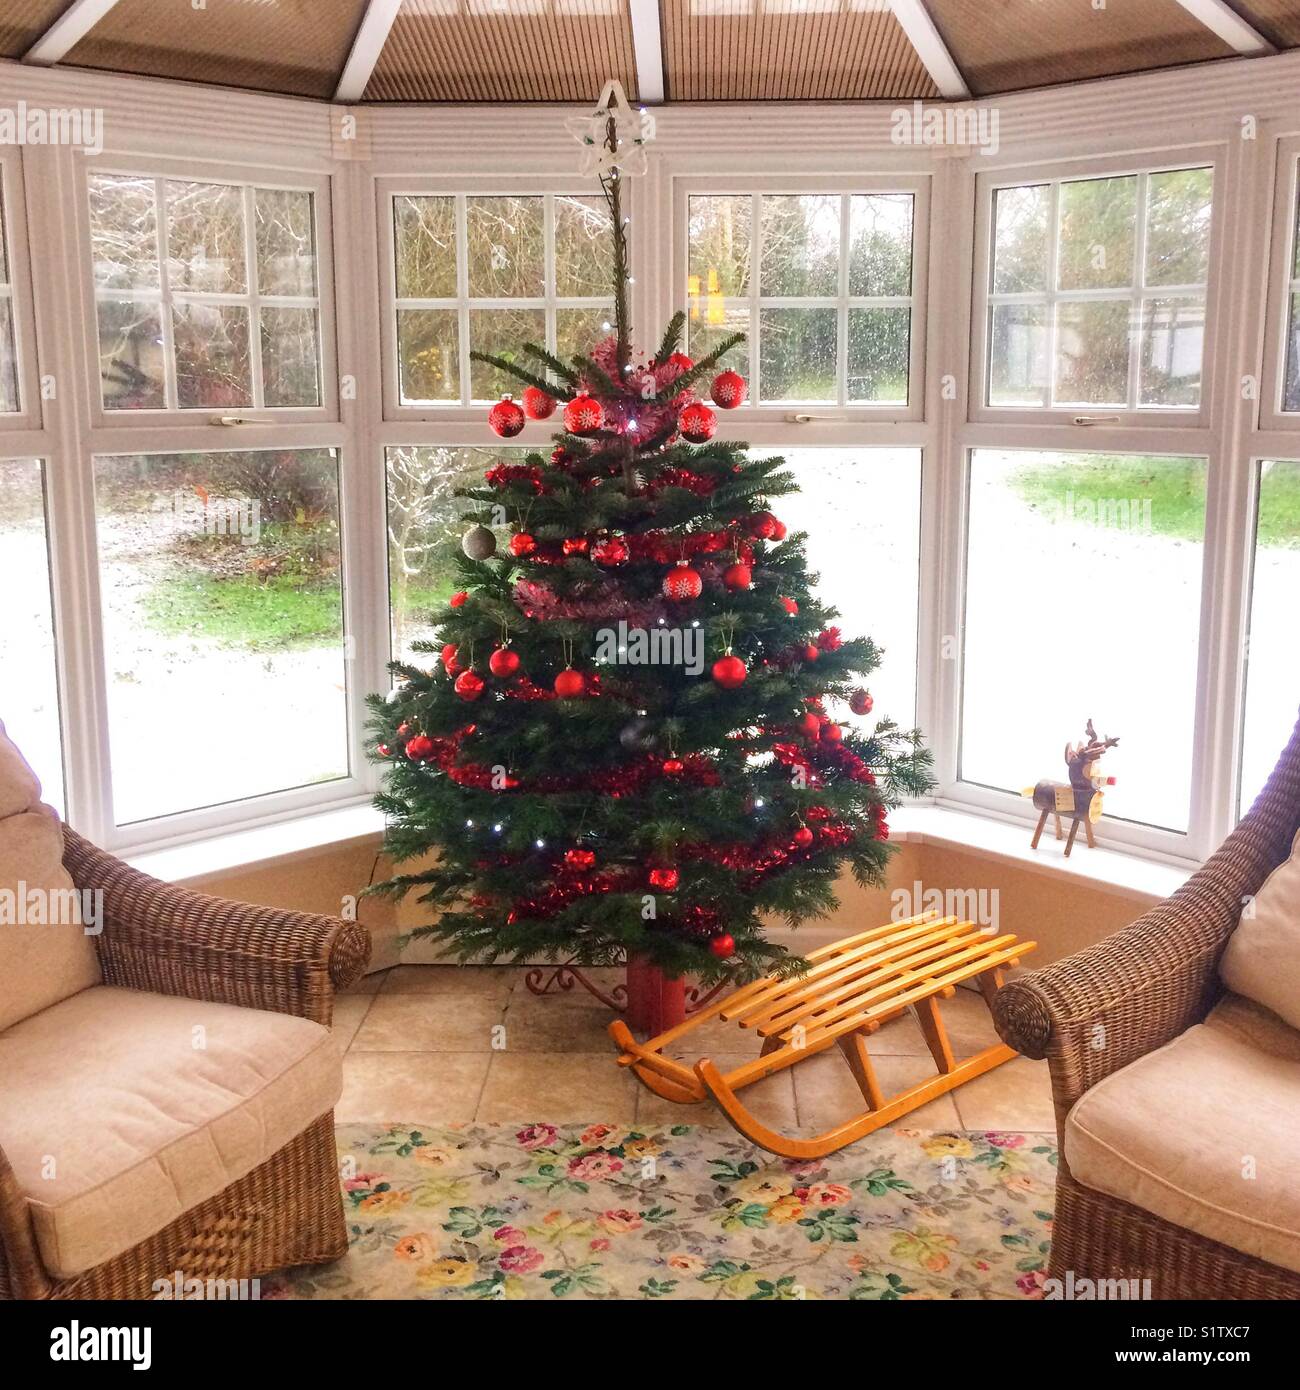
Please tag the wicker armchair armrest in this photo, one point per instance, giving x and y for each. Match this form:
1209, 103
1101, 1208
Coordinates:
174, 941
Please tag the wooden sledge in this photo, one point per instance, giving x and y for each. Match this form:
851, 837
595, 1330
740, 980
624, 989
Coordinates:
849, 991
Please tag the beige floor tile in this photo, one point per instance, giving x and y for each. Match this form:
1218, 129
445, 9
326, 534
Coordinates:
430, 1023
559, 1089
771, 1100
367, 984
349, 1010
1016, 1095
482, 981
558, 1024
411, 1087
826, 1094
968, 1022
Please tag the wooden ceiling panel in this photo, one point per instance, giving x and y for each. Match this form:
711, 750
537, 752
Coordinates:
1278, 20
789, 50
293, 46
1009, 45
505, 50
22, 22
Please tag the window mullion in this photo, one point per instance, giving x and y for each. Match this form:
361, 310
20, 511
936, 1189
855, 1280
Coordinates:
1137, 297
462, 295
842, 309
253, 299
171, 388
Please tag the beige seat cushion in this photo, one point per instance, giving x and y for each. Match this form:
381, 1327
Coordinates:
45, 952
1262, 959
120, 1110
1179, 1132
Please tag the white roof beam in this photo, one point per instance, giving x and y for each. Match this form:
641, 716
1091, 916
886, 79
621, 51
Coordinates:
366, 48
647, 49
67, 31
1221, 19
930, 48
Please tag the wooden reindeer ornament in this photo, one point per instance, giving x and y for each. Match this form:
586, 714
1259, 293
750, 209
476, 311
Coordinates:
1081, 797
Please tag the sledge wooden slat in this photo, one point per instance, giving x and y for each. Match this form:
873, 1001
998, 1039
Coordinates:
850, 990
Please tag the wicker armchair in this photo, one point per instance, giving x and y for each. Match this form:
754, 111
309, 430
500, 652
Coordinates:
171, 941
1144, 986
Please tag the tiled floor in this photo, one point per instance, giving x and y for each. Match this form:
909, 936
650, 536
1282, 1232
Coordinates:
430, 1042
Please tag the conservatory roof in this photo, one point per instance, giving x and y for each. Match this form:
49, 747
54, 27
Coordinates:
673, 50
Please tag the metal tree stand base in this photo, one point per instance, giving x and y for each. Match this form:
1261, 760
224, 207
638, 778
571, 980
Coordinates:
651, 1000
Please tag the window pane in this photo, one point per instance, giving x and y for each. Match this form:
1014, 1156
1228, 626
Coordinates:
1178, 227
9, 400
500, 332
880, 244
1092, 341
425, 528
800, 244
205, 238
289, 362
507, 248
1172, 332
428, 355
212, 362
1018, 354
1273, 667
425, 247
222, 605
709, 323
29, 700
124, 232
583, 250
719, 238
1098, 218
865, 501
131, 356
1291, 386
577, 331
286, 242
1020, 238
879, 341
797, 354
1083, 592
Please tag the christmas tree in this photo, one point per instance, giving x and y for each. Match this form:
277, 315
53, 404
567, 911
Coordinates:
631, 744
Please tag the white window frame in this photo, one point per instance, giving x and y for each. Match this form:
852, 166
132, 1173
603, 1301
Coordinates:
161, 170
1135, 295
460, 190
843, 186
19, 294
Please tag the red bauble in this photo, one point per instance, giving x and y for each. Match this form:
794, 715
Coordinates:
419, 747
738, 577
672, 766
763, 525
537, 404
682, 583
505, 418
697, 423
831, 733
522, 544
503, 662
802, 837
458, 599
809, 724
611, 551
665, 879
570, 683
583, 415
579, 858
680, 361
449, 662
468, 686
575, 545
811, 652
383, 750
729, 672
790, 606
728, 390
724, 946
860, 702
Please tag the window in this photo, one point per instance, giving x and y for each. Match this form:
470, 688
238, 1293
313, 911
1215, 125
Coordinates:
1096, 291
1291, 381
206, 293
29, 701
820, 282
10, 401
1083, 585
854, 504
222, 605
485, 273
1273, 659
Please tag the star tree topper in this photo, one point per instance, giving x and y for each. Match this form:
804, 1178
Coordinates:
630, 130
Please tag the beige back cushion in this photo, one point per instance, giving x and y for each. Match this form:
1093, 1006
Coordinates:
45, 952
1263, 956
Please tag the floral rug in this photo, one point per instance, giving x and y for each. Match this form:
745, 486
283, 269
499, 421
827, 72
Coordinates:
599, 1211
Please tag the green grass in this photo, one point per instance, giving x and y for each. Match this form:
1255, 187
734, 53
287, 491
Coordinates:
246, 612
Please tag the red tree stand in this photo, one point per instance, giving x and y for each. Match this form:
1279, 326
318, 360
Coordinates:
655, 1001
